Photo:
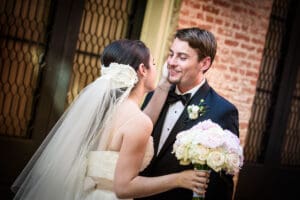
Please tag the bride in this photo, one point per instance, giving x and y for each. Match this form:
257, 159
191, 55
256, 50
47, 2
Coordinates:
102, 141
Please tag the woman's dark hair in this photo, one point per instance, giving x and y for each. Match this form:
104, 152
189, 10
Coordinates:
128, 52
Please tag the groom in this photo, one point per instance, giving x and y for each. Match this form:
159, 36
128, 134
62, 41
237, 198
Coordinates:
191, 55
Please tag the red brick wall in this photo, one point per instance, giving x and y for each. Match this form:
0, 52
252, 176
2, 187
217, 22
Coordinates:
240, 27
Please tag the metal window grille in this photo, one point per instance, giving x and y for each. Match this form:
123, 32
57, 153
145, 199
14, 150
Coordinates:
290, 154
23, 35
265, 97
103, 21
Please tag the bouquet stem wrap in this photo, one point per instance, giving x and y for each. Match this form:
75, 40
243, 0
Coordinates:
205, 168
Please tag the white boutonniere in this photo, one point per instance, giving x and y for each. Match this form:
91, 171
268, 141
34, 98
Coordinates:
195, 111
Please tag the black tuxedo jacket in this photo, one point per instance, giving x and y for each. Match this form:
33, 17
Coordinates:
219, 110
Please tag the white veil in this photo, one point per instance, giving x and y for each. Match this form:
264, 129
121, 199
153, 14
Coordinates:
57, 169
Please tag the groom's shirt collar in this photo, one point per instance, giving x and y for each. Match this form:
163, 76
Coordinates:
173, 114
191, 91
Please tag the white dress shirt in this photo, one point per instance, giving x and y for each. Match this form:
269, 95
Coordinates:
173, 114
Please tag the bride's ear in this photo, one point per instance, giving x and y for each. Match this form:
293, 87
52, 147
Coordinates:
142, 70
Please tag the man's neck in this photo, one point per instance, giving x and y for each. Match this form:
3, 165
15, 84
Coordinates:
192, 89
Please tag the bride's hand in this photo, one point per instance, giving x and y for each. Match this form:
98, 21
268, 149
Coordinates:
194, 180
165, 72
164, 84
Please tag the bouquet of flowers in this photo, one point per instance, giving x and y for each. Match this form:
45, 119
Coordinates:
207, 146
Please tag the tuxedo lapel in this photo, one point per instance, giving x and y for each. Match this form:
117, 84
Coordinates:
184, 122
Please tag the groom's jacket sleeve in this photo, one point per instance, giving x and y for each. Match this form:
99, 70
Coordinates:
231, 121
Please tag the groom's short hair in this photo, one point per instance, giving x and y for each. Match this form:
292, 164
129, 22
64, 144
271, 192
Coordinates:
201, 40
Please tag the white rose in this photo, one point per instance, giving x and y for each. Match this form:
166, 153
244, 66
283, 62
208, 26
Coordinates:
182, 154
193, 115
232, 162
211, 138
215, 160
193, 111
231, 142
179, 151
199, 154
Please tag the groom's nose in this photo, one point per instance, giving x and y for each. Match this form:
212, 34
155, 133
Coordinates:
172, 61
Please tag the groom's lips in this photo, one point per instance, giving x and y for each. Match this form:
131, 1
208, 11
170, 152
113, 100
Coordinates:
173, 72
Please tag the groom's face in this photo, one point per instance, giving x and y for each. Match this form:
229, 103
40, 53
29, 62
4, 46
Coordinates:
184, 66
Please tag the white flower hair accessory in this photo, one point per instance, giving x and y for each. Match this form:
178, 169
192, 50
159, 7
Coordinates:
122, 75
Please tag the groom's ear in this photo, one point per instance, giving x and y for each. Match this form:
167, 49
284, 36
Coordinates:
142, 70
205, 64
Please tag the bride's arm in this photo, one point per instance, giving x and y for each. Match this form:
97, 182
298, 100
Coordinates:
128, 183
159, 96
157, 101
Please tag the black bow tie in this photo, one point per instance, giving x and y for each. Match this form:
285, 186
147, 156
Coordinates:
173, 97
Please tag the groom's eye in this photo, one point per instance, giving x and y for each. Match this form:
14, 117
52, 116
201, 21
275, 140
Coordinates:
183, 58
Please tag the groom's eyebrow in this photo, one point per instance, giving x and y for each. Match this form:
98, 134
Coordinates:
179, 53
183, 54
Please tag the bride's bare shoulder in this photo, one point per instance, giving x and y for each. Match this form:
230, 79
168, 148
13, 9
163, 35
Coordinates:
136, 119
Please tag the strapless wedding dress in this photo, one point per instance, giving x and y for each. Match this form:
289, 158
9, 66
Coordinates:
101, 167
